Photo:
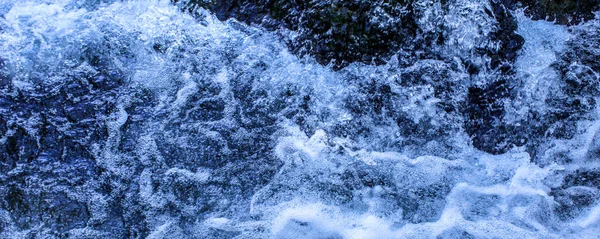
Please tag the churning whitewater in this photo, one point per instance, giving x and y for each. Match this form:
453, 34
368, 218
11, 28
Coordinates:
138, 119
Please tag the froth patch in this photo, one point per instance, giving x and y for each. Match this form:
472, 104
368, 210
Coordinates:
316, 220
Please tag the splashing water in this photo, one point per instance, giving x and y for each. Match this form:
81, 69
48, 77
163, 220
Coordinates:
143, 121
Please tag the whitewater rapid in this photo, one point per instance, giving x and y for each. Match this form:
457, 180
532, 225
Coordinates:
212, 129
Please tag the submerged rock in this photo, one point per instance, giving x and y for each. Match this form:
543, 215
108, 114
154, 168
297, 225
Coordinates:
578, 66
342, 32
578, 192
484, 106
181, 134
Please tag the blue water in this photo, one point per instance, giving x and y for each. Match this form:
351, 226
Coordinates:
199, 128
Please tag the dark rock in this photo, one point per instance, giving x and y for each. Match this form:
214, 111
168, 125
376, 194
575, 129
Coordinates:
579, 64
217, 233
423, 204
67, 213
484, 108
588, 178
104, 82
47, 153
31, 207
5, 80
574, 199
579, 84
580, 190
20, 147
562, 11
339, 32
343, 32
480, 207
510, 42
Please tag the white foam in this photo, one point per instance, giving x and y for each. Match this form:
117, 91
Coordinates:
543, 42
591, 219
293, 204
167, 230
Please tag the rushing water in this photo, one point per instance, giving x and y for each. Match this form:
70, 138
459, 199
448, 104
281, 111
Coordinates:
135, 119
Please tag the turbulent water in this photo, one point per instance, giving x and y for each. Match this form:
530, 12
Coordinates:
135, 119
